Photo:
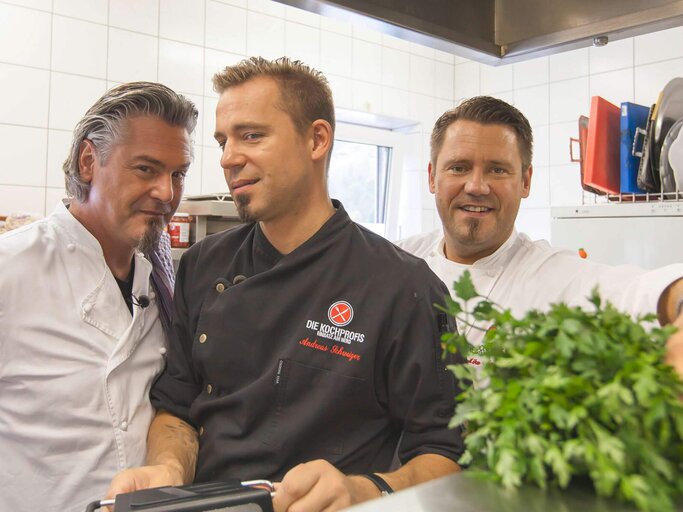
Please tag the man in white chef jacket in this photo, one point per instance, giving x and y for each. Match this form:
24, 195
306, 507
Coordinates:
81, 308
479, 171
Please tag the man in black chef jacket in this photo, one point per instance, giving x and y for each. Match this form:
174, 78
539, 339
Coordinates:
305, 348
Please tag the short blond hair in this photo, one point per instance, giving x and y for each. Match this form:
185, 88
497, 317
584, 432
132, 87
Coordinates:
305, 93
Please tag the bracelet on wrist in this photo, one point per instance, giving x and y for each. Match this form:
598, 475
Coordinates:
384, 488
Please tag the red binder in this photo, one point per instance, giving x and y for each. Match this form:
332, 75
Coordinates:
602, 149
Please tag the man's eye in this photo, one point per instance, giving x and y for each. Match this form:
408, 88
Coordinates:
252, 136
499, 170
144, 168
180, 175
457, 169
221, 144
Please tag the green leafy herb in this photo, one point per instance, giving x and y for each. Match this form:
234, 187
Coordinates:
570, 393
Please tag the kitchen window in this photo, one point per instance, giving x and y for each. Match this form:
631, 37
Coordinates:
364, 175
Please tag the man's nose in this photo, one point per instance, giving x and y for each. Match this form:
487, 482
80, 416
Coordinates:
476, 183
163, 188
232, 157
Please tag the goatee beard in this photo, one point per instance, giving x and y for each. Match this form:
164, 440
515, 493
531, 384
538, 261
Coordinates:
151, 237
241, 203
473, 226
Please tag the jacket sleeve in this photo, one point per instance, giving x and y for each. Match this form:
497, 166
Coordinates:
421, 390
177, 386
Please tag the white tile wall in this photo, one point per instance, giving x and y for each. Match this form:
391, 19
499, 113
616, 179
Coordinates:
43, 5
395, 68
530, 72
22, 160
302, 42
614, 86
616, 55
57, 56
70, 97
91, 10
136, 15
496, 79
659, 46
226, 27
534, 103
25, 36
79, 47
467, 80
336, 52
182, 20
265, 35
181, 66
366, 63
569, 99
58, 146
29, 95
132, 56
567, 65
422, 73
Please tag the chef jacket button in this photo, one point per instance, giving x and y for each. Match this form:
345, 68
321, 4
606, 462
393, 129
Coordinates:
209, 389
201, 431
162, 351
70, 247
202, 338
220, 287
87, 308
124, 425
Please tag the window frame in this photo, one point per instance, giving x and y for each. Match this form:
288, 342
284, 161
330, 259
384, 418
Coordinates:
394, 140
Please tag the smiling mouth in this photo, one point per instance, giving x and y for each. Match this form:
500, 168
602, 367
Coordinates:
241, 184
476, 209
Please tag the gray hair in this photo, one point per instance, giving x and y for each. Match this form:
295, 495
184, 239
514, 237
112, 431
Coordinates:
104, 124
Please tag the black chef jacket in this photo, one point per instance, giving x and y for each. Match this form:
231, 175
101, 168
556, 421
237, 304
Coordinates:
329, 352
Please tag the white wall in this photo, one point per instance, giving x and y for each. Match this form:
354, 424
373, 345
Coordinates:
58, 56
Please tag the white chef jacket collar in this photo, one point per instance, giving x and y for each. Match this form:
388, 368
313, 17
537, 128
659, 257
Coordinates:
79, 234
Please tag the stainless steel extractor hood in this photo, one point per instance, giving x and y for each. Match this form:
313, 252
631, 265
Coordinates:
501, 31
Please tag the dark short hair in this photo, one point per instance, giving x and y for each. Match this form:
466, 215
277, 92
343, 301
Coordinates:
105, 123
305, 93
486, 110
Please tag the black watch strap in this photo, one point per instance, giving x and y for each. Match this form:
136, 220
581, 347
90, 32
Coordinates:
384, 488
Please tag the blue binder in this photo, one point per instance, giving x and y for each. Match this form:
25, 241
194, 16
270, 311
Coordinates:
632, 117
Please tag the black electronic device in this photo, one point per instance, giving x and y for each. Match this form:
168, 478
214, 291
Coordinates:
227, 496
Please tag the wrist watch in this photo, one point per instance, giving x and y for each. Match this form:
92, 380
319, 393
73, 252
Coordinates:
384, 488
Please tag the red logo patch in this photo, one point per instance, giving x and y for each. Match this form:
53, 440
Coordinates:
340, 313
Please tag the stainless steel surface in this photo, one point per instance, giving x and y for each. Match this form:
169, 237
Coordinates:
502, 31
460, 493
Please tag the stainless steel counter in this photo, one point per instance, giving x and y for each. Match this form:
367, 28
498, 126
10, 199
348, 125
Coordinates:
460, 493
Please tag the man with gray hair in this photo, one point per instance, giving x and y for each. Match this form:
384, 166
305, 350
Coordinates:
83, 312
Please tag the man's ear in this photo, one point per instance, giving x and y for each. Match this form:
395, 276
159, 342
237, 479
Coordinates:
431, 171
321, 139
526, 181
86, 160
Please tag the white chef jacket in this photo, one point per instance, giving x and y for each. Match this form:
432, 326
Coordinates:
523, 275
75, 367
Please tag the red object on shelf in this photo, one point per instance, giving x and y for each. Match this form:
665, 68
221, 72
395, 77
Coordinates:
602, 149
